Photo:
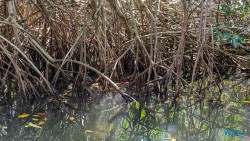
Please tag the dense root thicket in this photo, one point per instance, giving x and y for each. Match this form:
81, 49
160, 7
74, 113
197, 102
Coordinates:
46, 45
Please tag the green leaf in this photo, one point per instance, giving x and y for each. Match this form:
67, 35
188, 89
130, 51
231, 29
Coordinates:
244, 16
88, 131
242, 41
143, 114
126, 124
230, 24
131, 113
226, 36
246, 101
234, 42
237, 36
217, 26
217, 36
111, 127
160, 110
37, 116
32, 125
239, 39
245, 36
137, 105
234, 12
224, 7
237, 32
227, 12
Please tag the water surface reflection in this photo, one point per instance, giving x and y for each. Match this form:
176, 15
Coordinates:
107, 117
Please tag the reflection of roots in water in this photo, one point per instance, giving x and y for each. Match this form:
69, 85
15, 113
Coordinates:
119, 115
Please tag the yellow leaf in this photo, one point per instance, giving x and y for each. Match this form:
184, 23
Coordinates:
32, 125
41, 114
177, 99
45, 119
88, 131
41, 123
26, 126
95, 85
246, 101
71, 118
167, 101
67, 92
172, 139
35, 119
24, 115
244, 16
227, 107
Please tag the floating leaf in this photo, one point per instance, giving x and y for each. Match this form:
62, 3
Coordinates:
88, 131
65, 93
41, 123
172, 139
235, 42
143, 114
35, 119
177, 99
137, 105
32, 125
45, 119
126, 124
167, 101
41, 114
27, 125
246, 101
36, 116
24, 115
96, 85
111, 127
71, 118
161, 109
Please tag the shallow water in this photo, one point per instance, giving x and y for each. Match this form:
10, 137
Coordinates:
107, 117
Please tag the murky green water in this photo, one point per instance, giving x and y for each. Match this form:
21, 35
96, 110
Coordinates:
107, 117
